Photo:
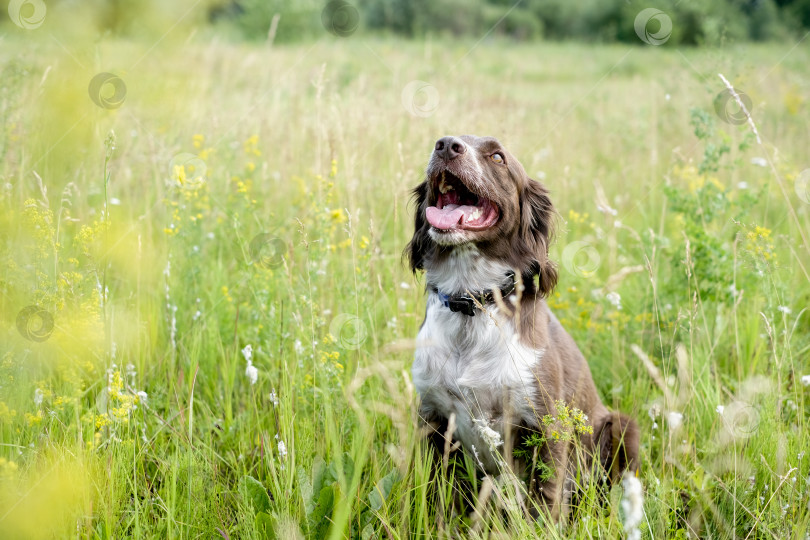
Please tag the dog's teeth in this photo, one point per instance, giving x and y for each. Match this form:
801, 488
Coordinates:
475, 215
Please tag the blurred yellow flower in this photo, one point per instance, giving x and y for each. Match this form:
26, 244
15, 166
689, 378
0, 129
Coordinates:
338, 215
6, 414
33, 419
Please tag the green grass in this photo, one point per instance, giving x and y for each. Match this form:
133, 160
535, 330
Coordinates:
312, 147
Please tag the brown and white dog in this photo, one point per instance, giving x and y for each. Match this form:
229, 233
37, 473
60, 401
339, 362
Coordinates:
490, 353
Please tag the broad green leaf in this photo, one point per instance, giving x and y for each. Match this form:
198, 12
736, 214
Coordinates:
320, 519
266, 526
256, 494
382, 490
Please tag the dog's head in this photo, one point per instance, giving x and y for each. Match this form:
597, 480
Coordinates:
475, 191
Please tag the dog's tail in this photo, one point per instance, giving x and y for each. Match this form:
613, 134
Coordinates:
617, 444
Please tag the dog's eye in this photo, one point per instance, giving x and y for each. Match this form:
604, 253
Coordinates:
497, 158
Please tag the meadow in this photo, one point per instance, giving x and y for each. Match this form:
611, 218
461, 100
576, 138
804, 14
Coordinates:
223, 327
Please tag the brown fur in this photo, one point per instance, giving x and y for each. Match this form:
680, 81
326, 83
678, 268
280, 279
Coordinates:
521, 238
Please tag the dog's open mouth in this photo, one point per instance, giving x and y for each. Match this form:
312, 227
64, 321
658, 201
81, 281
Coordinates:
459, 208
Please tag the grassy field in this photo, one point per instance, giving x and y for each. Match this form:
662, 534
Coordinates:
223, 326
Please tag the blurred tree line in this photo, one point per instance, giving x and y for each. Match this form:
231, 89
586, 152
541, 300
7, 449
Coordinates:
693, 22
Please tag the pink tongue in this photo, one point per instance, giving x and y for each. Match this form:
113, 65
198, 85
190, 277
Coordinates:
448, 217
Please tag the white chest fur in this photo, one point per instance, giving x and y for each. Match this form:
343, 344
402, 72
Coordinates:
474, 367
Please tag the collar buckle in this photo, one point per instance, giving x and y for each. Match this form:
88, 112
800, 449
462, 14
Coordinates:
462, 304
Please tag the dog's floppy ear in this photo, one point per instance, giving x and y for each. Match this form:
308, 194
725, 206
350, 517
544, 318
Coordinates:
420, 242
535, 234
617, 444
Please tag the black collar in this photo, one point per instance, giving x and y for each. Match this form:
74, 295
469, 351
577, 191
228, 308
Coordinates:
466, 303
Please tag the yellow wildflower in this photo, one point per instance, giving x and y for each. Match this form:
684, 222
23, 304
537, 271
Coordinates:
338, 215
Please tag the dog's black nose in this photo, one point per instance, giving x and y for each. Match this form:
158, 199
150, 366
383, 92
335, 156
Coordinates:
449, 148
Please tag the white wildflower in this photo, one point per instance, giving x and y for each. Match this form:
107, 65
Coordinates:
38, 397
784, 309
251, 372
806, 380
282, 449
607, 209
489, 435
615, 299
720, 409
299, 348
632, 506
674, 419
733, 290
742, 185
760, 161
273, 398
142, 396
477, 459
404, 285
